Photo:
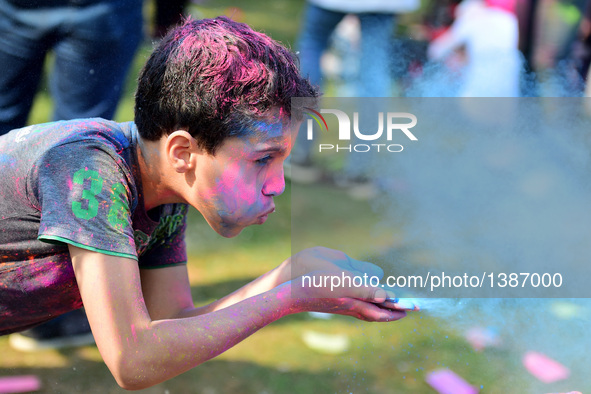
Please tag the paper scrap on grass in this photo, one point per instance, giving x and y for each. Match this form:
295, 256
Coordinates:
565, 310
445, 381
544, 368
326, 343
19, 384
482, 337
570, 392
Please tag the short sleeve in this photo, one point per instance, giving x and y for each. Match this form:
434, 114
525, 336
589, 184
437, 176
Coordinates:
166, 245
85, 195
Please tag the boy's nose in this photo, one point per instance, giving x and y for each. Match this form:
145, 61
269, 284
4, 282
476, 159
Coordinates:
275, 183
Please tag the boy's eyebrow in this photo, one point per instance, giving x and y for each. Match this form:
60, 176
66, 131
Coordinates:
270, 149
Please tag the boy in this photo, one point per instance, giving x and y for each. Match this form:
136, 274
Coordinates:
93, 212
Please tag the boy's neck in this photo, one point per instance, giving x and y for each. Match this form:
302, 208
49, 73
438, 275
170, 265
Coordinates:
154, 176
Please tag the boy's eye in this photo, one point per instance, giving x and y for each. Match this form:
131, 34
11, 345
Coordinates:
264, 160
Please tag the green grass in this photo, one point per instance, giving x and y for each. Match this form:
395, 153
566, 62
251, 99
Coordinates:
382, 358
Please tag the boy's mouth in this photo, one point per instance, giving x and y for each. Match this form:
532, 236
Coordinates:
262, 218
268, 211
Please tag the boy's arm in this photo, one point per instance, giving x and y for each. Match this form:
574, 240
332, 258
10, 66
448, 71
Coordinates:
167, 292
161, 287
263, 283
141, 351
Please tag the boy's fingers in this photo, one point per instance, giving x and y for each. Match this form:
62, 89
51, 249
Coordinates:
367, 268
371, 312
390, 295
401, 304
369, 294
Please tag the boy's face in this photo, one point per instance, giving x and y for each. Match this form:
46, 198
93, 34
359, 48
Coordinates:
235, 187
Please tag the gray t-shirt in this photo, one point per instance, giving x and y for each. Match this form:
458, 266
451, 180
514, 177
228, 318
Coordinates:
73, 182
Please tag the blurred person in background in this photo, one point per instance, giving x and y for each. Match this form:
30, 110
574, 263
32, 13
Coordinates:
579, 56
93, 43
376, 21
168, 13
526, 11
488, 31
373, 74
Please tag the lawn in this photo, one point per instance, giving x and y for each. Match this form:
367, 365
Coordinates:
375, 358
380, 358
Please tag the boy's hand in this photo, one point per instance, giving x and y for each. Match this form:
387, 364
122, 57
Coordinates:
330, 260
361, 302
322, 284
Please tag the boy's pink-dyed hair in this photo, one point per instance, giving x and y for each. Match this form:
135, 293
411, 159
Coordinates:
215, 78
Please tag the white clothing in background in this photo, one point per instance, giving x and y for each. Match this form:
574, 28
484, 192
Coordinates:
490, 36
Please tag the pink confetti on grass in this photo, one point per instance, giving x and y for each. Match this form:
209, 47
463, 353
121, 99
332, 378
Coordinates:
445, 381
544, 368
19, 384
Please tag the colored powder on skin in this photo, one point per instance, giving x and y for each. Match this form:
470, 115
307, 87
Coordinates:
230, 184
133, 333
270, 129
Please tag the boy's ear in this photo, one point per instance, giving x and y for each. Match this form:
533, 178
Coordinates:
181, 149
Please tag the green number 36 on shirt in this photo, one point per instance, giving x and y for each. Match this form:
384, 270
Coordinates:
117, 210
